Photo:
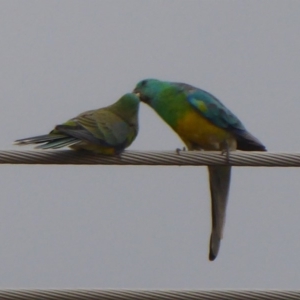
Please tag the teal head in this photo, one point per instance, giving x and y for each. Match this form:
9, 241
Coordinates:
148, 89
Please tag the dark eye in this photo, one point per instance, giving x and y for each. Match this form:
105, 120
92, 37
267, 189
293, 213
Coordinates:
143, 83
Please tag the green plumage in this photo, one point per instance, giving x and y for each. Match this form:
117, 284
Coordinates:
202, 122
107, 130
173, 100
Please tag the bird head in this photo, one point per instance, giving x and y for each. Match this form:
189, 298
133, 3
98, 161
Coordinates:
148, 89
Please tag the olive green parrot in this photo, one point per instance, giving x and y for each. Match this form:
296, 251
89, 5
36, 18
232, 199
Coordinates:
108, 130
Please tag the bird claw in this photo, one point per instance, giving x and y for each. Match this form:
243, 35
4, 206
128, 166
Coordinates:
226, 152
178, 150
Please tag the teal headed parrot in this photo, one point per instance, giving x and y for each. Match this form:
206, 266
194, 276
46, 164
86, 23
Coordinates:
108, 130
203, 123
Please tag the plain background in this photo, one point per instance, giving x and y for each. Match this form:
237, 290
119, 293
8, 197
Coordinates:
147, 227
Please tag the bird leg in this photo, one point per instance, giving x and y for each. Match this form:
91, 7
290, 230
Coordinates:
225, 150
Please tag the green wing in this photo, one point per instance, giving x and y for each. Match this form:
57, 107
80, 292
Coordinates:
100, 127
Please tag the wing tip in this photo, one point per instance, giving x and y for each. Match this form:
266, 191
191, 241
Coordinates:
247, 142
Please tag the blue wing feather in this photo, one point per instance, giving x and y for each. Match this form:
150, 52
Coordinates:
212, 109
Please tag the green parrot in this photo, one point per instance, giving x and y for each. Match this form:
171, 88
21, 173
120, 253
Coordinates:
108, 130
203, 123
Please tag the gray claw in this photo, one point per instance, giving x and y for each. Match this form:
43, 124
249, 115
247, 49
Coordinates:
178, 150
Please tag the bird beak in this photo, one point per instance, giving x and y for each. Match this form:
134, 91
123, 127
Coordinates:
136, 93
141, 97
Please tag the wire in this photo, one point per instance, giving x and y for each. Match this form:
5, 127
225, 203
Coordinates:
147, 294
153, 158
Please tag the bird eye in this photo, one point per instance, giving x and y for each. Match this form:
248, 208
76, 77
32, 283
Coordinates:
143, 83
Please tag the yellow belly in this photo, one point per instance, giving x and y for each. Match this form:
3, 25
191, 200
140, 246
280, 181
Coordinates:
196, 130
94, 148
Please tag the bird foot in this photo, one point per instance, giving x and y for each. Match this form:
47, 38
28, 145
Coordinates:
227, 153
178, 150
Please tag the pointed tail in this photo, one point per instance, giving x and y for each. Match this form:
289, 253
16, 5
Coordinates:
219, 180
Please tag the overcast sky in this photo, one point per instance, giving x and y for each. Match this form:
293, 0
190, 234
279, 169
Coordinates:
147, 227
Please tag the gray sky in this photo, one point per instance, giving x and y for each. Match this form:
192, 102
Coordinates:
147, 227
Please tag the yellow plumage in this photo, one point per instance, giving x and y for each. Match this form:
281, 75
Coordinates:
194, 129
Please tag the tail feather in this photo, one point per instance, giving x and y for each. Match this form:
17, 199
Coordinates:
49, 141
67, 141
219, 179
39, 139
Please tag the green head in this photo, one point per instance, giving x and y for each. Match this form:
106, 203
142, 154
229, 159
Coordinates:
149, 89
126, 107
168, 99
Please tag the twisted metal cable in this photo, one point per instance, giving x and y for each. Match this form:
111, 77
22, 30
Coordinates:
94, 294
153, 158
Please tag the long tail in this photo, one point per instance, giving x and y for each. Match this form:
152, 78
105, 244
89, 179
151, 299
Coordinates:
219, 180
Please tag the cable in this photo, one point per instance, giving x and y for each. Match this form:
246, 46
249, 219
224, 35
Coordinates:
153, 158
80, 294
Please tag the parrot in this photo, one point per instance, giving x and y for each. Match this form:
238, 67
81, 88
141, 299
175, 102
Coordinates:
203, 123
108, 130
